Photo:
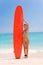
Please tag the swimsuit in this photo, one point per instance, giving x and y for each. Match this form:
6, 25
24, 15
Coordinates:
25, 39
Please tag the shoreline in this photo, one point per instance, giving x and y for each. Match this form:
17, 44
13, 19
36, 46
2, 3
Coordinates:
10, 50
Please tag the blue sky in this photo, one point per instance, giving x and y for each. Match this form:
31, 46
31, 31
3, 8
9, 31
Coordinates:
33, 13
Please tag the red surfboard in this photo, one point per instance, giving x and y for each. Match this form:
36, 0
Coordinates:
17, 32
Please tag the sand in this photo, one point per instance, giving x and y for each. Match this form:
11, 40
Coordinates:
33, 59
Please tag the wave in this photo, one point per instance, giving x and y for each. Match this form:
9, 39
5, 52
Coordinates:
4, 51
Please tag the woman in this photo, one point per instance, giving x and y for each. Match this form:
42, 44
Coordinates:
25, 39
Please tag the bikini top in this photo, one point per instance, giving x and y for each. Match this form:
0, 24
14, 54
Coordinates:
25, 32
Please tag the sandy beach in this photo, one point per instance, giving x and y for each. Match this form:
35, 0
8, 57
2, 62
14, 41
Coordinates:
33, 59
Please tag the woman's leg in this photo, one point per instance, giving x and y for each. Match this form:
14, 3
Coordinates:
26, 49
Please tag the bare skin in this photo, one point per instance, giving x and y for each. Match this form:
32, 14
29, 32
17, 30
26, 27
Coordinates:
25, 37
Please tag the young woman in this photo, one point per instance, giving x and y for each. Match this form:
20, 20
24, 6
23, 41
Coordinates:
25, 39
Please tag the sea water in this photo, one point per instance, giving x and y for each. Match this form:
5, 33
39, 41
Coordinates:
35, 39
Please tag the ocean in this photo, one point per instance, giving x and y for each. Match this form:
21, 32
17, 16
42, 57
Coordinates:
35, 38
